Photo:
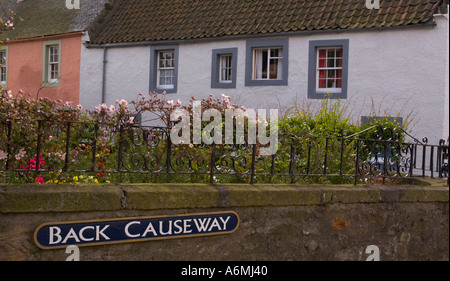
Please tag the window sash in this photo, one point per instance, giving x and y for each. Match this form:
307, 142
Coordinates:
166, 69
226, 68
53, 64
267, 64
3, 66
329, 69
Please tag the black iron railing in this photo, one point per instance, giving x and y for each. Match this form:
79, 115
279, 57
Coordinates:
84, 147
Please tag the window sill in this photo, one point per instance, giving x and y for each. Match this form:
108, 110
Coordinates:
266, 82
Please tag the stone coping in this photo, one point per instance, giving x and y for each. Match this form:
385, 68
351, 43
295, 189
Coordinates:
78, 198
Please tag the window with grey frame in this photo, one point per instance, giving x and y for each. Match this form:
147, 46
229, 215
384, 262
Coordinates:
224, 68
328, 69
164, 69
267, 62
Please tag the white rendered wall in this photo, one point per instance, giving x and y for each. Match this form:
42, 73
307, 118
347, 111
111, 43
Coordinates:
400, 72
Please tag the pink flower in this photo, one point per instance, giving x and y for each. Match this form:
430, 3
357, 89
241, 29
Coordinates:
3, 155
21, 154
33, 163
170, 102
40, 180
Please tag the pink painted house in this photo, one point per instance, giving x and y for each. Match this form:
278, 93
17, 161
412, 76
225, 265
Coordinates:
43, 53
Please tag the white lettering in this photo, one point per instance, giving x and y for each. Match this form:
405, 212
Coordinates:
169, 232
215, 224
202, 225
186, 226
75, 253
73, 4
100, 232
151, 229
82, 235
180, 133
177, 226
213, 132
371, 4
201, 271
71, 235
225, 222
215, 125
53, 234
272, 140
127, 232
375, 253
197, 122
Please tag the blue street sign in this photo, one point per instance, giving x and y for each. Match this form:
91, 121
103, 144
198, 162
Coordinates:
126, 230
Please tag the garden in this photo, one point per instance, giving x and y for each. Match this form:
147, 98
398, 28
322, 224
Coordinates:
55, 142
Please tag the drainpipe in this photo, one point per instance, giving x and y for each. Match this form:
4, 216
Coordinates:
105, 61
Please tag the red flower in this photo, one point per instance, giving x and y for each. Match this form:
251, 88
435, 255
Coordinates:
40, 180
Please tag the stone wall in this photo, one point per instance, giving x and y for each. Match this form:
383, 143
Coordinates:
277, 222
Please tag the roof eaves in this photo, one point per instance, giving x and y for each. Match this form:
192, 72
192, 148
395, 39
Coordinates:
429, 24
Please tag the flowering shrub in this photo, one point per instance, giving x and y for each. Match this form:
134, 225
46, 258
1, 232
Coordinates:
27, 123
51, 142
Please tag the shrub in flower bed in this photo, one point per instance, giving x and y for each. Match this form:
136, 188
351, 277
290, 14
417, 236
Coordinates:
45, 141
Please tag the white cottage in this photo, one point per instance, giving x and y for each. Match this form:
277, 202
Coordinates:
278, 53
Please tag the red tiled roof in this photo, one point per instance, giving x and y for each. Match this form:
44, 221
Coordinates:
162, 20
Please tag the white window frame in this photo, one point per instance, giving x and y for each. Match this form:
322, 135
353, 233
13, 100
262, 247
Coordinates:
4, 66
259, 60
314, 45
335, 68
165, 69
52, 62
49, 64
226, 68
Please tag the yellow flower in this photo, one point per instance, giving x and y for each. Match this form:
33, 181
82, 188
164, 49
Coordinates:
75, 179
96, 181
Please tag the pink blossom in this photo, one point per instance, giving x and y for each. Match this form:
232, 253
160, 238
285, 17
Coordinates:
33, 163
21, 154
170, 102
3, 155
40, 180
